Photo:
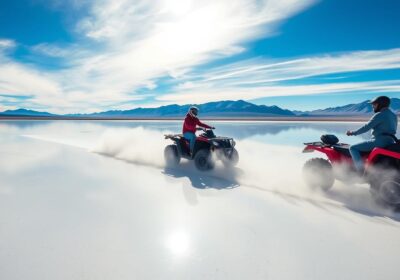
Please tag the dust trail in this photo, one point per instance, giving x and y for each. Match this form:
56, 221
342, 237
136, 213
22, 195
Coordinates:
60, 140
272, 168
353, 190
137, 145
260, 164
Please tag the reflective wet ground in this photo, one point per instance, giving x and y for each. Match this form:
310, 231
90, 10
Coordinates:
93, 200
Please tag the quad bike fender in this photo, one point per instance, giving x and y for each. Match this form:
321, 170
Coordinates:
332, 155
376, 153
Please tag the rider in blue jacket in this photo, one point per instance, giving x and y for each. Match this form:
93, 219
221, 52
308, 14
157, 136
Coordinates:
383, 124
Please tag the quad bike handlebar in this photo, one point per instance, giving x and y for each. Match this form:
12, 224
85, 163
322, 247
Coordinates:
204, 129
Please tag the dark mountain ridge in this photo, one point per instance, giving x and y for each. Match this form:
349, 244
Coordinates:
218, 109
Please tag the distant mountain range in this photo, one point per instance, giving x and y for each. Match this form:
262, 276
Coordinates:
212, 109
26, 112
221, 109
362, 108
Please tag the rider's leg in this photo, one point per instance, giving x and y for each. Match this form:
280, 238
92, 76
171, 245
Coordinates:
356, 149
192, 139
367, 146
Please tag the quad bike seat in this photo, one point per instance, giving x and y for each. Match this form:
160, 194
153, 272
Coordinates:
344, 149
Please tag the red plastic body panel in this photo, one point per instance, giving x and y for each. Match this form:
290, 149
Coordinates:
336, 157
333, 155
373, 156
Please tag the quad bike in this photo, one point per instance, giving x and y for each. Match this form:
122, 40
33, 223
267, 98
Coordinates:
207, 149
382, 168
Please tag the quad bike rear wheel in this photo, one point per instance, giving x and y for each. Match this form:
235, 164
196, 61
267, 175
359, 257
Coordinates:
203, 160
384, 181
171, 155
389, 192
318, 174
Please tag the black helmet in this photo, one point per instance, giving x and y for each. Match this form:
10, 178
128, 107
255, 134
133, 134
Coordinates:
193, 110
383, 101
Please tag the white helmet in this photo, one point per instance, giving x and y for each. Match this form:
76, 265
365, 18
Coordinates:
193, 111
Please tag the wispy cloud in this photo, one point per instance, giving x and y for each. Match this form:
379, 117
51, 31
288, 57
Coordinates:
132, 44
257, 78
152, 39
259, 71
251, 93
53, 50
124, 47
19, 79
6, 44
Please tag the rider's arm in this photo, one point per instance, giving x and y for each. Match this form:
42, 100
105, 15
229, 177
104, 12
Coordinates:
199, 123
373, 122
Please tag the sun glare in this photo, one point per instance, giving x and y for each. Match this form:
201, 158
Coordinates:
178, 7
194, 33
178, 242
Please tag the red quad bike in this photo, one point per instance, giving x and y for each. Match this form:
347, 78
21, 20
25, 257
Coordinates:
382, 168
207, 149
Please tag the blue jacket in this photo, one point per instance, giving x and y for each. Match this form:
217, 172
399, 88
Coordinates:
381, 123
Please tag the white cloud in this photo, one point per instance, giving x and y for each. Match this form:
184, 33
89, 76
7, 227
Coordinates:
53, 50
258, 78
146, 40
7, 44
257, 71
109, 20
126, 46
151, 39
234, 93
18, 79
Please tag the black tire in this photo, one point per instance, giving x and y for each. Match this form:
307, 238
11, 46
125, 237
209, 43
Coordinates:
318, 174
389, 192
232, 160
384, 180
203, 160
171, 155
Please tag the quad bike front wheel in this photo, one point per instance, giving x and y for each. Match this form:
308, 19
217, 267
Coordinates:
203, 160
171, 155
232, 159
318, 174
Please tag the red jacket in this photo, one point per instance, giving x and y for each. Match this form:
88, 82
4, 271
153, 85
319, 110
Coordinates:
189, 125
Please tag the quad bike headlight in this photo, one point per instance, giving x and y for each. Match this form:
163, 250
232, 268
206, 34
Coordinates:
215, 143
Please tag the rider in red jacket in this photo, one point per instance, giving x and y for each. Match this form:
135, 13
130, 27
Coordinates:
189, 126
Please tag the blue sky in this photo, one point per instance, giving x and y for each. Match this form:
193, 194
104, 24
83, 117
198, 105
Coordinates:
84, 56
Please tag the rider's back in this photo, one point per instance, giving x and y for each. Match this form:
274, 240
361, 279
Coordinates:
386, 123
